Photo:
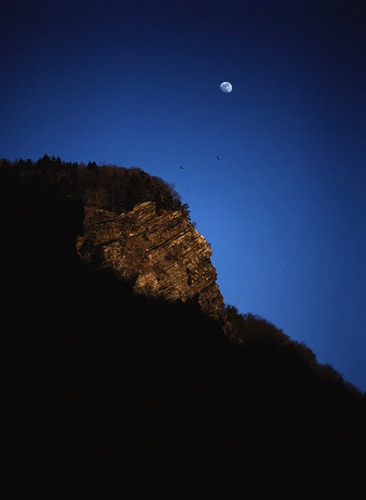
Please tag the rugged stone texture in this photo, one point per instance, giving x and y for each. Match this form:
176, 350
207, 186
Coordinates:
162, 254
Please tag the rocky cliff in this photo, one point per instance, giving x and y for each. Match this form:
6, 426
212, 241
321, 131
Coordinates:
160, 252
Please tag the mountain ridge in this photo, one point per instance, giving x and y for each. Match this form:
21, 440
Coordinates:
118, 390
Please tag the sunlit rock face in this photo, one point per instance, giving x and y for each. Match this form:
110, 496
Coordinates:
162, 254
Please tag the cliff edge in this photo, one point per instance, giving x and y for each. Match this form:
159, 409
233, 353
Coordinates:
159, 252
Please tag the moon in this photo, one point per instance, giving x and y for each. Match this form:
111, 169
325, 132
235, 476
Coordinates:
226, 87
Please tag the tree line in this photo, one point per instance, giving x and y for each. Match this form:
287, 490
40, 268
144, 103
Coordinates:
107, 187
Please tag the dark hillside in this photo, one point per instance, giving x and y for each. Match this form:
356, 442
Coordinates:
110, 393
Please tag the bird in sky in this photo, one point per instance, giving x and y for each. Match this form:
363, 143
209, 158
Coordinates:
181, 167
217, 158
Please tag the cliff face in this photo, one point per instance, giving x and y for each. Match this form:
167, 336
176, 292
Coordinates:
162, 254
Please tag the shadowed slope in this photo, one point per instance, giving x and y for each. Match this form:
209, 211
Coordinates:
107, 391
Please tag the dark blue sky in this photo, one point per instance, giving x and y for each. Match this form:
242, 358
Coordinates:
137, 84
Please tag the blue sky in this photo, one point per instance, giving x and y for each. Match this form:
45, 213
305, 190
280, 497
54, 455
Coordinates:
137, 84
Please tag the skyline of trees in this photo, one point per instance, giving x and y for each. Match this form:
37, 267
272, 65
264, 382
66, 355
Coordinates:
108, 187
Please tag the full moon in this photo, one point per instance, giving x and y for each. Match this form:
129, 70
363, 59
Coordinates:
226, 87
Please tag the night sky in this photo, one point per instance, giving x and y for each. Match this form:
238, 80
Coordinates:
138, 84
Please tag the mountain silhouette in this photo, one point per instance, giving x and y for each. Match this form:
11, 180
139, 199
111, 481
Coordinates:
107, 392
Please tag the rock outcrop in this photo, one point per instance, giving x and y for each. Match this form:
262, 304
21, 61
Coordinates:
161, 254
